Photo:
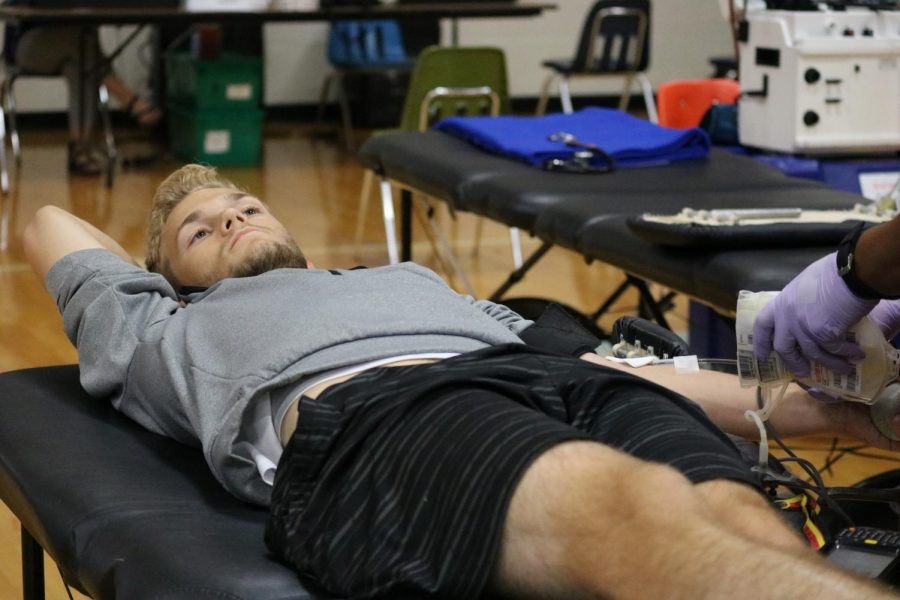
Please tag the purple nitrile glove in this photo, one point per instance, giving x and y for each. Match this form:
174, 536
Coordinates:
808, 319
887, 316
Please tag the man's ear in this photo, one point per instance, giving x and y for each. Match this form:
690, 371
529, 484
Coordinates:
309, 264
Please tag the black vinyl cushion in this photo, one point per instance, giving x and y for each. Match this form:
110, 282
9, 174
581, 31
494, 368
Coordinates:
713, 277
588, 213
748, 235
124, 512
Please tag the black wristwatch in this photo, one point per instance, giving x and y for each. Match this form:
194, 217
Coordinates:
846, 266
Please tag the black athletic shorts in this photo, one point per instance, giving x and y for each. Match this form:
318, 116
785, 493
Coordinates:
396, 483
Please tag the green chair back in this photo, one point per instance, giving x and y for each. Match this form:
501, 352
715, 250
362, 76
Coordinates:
454, 67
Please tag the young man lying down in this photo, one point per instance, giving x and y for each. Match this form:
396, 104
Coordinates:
409, 444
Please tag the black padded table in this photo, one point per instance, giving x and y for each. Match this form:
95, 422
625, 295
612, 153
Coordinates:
124, 513
713, 277
573, 210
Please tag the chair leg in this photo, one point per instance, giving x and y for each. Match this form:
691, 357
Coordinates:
323, 97
363, 207
9, 104
625, 98
108, 139
565, 95
387, 210
545, 94
345, 113
649, 101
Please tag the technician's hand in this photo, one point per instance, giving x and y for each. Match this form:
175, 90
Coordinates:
887, 316
808, 320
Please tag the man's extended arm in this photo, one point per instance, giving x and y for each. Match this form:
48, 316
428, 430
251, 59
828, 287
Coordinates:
798, 413
54, 233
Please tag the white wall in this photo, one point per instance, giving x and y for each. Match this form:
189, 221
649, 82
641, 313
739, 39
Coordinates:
685, 34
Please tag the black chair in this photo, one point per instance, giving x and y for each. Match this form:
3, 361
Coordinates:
360, 47
615, 42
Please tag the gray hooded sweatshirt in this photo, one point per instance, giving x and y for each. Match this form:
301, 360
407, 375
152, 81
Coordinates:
195, 373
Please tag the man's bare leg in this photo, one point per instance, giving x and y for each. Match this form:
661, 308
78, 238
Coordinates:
587, 521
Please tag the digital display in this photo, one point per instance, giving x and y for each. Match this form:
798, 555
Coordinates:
864, 562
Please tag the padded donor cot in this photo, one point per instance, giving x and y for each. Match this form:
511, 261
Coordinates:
124, 513
569, 209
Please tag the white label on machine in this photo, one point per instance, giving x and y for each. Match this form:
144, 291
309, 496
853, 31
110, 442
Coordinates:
238, 91
876, 186
217, 141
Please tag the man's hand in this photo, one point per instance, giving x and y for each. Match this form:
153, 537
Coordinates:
857, 423
808, 320
54, 233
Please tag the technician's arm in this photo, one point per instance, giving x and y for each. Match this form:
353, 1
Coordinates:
878, 258
54, 233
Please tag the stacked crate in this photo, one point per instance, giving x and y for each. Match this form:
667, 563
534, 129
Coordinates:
213, 108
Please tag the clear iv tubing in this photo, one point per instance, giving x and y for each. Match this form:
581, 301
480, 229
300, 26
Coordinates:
759, 417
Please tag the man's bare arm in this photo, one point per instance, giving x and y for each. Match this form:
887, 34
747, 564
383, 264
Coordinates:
54, 233
725, 402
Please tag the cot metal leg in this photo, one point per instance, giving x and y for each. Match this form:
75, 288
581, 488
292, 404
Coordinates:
387, 211
517, 275
648, 305
405, 225
32, 568
648, 301
363, 208
108, 139
9, 105
516, 243
610, 300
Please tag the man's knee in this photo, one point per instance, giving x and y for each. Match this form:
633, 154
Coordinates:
578, 505
600, 484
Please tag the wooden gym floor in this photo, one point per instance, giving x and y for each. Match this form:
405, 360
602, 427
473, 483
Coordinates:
313, 185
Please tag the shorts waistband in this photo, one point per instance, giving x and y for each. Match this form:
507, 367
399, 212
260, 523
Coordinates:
289, 423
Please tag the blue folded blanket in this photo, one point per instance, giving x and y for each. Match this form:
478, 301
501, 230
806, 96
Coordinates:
629, 140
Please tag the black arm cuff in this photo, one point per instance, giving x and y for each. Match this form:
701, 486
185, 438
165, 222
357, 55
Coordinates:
559, 332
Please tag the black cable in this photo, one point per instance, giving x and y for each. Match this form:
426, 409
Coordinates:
820, 488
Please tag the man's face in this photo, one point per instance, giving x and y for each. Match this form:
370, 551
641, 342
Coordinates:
216, 233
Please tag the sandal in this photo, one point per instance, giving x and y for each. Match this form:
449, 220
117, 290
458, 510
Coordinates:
83, 160
143, 113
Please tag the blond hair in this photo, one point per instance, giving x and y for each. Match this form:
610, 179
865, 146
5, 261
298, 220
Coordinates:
175, 188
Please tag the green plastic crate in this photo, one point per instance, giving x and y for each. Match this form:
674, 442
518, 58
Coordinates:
218, 137
230, 81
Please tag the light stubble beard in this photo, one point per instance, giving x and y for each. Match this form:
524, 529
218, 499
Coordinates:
282, 254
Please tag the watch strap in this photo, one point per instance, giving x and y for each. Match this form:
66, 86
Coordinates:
846, 266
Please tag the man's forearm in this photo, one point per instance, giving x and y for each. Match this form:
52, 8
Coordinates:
725, 401
54, 233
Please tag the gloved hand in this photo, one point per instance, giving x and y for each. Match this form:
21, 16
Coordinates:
808, 319
887, 316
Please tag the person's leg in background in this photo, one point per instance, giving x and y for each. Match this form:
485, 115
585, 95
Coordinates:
141, 111
58, 51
